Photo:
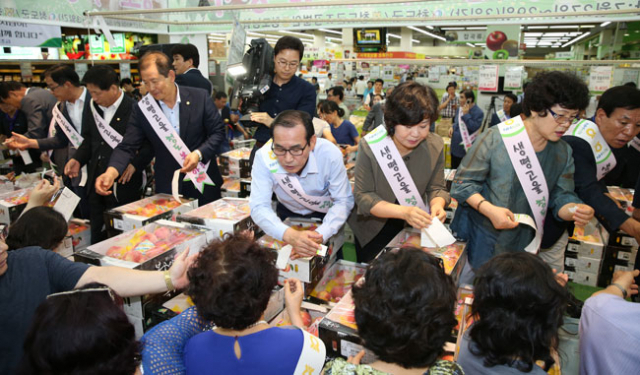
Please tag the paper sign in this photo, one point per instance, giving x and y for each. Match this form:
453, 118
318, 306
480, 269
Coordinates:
25, 157
488, 78
81, 69
436, 235
174, 186
600, 78
513, 78
283, 257
125, 70
66, 203
26, 71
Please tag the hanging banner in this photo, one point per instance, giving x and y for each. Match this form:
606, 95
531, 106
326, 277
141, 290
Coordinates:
488, 78
502, 42
465, 36
600, 78
81, 69
23, 34
513, 78
236, 48
125, 70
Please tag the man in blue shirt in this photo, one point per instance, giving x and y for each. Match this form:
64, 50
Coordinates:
472, 116
287, 91
293, 156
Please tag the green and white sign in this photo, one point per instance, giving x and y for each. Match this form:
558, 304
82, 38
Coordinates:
23, 34
513, 78
96, 43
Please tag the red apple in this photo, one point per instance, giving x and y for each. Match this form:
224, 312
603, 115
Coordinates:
324, 295
306, 318
495, 40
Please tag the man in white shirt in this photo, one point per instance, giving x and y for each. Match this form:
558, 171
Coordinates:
329, 83
309, 179
64, 140
361, 86
377, 90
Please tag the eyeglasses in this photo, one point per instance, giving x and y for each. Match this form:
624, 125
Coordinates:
562, 119
53, 88
291, 64
296, 151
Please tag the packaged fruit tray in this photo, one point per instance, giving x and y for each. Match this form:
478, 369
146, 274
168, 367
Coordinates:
343, 312
450, 255
16, 198
149, 207
231, 184
226, 209
271, 243
141, 245
338, 280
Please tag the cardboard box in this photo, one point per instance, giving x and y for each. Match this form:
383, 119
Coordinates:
337, 281
451, 256
245, 187
621, 238
237, 158
140, 213
159, 242
80, 232
310, 269
12, 204
226, 215
230, 188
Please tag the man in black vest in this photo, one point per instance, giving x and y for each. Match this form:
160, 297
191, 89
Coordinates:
111, 107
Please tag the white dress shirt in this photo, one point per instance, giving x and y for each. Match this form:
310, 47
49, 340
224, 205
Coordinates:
110, 111
75, 110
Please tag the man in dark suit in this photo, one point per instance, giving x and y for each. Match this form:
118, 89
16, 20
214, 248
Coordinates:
113, 109
191, 115
34, 102
74, 101
220, 100
13, 120
186, 60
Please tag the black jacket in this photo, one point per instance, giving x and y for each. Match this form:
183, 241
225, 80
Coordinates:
193, 78
95, 152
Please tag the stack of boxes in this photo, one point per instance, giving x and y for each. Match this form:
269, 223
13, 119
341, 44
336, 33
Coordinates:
235, 169
584, 255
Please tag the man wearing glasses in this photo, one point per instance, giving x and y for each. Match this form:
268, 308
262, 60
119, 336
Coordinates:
597, 148
307, 175
287, 91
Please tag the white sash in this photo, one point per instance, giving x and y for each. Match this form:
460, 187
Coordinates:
527, 166
467, 139
72, 135
635, 143
291, 185
172, 141
311, 358
404, 188
502, 116
108, 134
588, 131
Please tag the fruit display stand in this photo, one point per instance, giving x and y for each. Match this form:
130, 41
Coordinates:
309, 269
451, 256
236, 162
151, 247
226, 215
337, 281
139, 213
12, 204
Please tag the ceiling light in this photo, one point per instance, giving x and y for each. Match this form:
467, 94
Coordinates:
415, 41
481, 44
554, 34
604, 24
577, 39
256, 34
477, 28
538, 27
427, 33
564, 27
429, 27
555, 46
533, 34
236, 69
471, 45
587, 26
394, 36
331, 31
452, 28
295, 33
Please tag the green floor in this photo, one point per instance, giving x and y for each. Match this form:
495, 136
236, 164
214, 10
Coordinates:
349, 252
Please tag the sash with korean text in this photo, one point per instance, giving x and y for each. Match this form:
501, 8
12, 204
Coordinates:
502, 116
291, 185
467, 139
312, 357
108, 134
589, 131
635, 143
527, 166
172, 141
72, 135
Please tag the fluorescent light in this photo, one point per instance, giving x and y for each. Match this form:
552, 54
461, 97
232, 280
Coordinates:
296, 33
477, 28
331, 31
564, 27
415, 41
427, 33
587, 26
394, 36
429, 27
236, 69
554, 34
471, 45
577, 39
256, 34
605, 24
555, 46
452, 28
533, 34
538, 27
481, 44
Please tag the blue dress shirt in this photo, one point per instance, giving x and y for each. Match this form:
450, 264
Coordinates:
321, 176
173, 114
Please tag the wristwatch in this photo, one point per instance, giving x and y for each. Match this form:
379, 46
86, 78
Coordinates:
199, 154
